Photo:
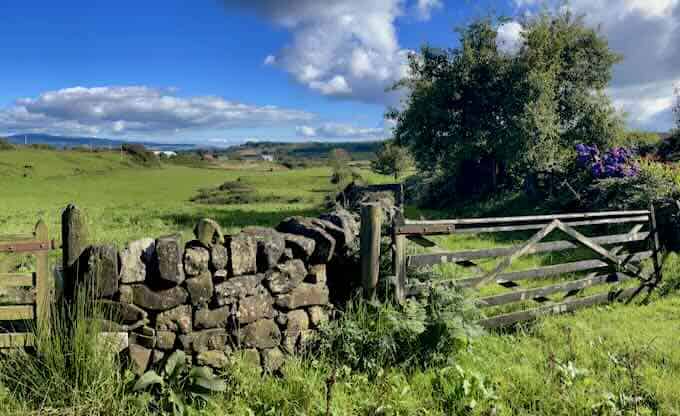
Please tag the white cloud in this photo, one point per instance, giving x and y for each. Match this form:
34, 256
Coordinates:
306, 131
509, 38
425, 8
342, 48
136, 109
335, 86
270, 60
331, 131
647, 34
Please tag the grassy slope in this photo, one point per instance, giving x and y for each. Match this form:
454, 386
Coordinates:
124, 202
528, 371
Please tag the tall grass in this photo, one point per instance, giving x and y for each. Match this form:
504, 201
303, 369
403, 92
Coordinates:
72, 370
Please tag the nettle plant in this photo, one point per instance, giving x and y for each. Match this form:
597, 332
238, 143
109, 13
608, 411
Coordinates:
617, 162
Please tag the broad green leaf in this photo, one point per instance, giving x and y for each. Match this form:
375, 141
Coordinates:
175, 362
147, 379
201, 372
213, 384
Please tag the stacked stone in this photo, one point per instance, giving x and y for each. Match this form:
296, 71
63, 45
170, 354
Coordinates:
263, 291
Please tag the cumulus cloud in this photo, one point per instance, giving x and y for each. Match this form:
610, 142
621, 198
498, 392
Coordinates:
331, 131
136, 109
509, 38
647, 34
342, 48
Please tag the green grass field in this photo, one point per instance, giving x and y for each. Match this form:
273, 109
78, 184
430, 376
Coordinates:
606, 360
125, 202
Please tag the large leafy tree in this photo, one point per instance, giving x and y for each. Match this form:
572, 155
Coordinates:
520, 112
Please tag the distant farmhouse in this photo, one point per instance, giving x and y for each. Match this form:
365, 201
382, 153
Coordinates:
255, 155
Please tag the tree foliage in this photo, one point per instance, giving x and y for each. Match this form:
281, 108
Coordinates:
392, 159
343, 174
522, 112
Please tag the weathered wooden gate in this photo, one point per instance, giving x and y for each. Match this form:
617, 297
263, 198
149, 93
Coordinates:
25, 296
620, 262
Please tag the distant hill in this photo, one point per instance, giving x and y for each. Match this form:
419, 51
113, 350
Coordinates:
99, 143
307, 150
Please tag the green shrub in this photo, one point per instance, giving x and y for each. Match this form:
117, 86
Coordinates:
670, 282
641, 142
42, 146
669, 148
343, 177
189, 159
371, 337
141, 155
5, 144
655, 182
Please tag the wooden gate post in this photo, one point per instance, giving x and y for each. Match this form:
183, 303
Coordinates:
371, 222
656, 247
399, 260
74, 237
44, 285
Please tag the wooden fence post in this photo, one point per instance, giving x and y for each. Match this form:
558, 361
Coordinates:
656, 247
371, 222
74, 237
399, 260
44, 285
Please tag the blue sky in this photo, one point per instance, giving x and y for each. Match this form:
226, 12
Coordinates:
222, 72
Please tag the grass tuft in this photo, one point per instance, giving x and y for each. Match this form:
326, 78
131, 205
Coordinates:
72, 370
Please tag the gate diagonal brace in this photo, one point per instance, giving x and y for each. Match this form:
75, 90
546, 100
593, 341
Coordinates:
523, 249
588, 243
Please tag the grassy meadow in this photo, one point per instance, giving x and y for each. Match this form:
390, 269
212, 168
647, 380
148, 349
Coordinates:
613, 360
125, 202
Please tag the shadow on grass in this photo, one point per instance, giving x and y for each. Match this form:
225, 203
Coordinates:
237, 218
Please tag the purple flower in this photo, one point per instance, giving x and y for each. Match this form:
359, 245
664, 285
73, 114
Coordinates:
615, 163
596, 170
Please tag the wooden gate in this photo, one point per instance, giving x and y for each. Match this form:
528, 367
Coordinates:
25, 296
620, 262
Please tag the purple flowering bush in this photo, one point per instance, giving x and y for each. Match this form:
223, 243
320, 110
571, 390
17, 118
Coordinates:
615, 179
617, 162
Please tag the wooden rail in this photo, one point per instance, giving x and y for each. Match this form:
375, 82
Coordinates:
617, 259
26, 296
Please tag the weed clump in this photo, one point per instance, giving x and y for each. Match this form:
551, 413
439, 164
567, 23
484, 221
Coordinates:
371, 337
236, 193
140, 155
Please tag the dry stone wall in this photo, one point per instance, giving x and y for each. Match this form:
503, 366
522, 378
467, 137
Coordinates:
263, 291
